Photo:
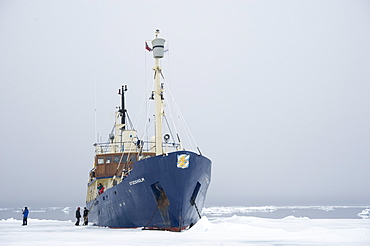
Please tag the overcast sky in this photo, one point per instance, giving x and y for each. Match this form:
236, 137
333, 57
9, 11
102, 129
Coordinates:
276, 93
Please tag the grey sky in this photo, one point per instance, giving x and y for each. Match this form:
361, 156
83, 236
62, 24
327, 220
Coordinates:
276, 93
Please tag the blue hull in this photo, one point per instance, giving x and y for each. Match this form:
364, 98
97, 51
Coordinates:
158, 194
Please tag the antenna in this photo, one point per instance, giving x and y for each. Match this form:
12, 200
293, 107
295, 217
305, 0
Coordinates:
122, 111
95, 114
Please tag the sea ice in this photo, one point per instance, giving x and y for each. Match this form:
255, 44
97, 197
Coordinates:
235, 230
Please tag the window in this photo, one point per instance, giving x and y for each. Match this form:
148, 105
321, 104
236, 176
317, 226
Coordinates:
108, 159
117, 158
133, 158
100, 160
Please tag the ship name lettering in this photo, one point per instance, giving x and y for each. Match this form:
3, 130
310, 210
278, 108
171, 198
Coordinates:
134, 182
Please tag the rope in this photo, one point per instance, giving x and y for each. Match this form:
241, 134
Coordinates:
144, 228
197, 210
169, 128
183, 123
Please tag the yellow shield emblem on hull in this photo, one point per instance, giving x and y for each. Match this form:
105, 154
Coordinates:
183, 161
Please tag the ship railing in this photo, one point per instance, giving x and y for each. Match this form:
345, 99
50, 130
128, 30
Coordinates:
130, 146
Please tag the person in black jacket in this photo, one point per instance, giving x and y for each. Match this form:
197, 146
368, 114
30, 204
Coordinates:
78, 216
86, 219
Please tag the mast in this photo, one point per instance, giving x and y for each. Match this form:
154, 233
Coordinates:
158, 53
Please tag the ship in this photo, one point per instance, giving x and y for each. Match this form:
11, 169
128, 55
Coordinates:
154, 184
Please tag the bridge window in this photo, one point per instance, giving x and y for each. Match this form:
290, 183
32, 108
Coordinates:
133, 158
100, 160
117, 158
108, 159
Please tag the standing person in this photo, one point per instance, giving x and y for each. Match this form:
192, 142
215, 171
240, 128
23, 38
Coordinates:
100, 188
25, 216
78, 216
86, 219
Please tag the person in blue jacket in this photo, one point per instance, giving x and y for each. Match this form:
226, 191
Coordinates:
25, 216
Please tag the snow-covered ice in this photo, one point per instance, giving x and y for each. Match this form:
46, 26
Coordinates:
234, 230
